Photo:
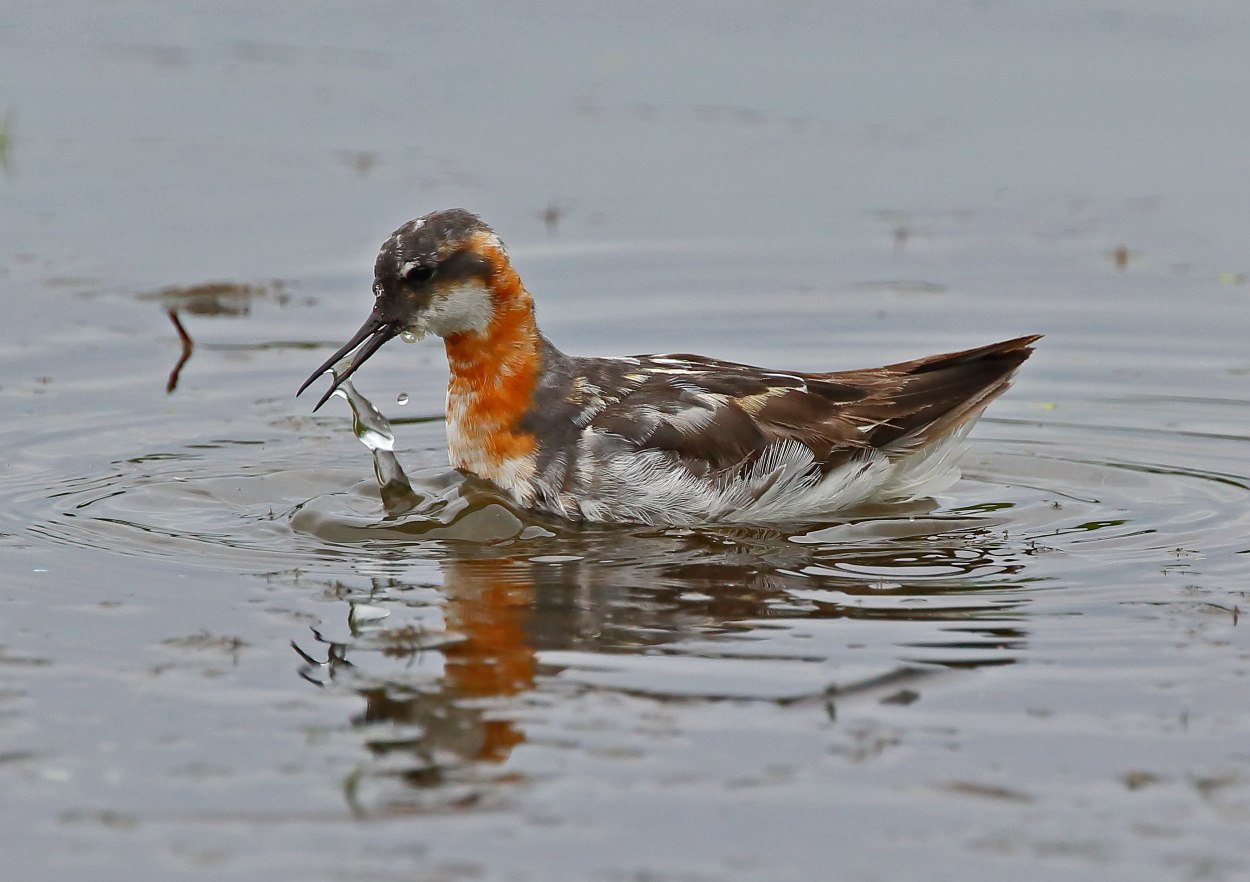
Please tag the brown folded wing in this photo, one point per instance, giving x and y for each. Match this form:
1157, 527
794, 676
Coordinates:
719, 416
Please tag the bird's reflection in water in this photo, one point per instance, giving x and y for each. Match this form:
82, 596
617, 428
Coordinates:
494, 614
528, 622
517, 638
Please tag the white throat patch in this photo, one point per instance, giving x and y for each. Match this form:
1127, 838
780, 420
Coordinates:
465, 307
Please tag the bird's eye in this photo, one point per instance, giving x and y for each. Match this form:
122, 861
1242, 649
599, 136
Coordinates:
421, 272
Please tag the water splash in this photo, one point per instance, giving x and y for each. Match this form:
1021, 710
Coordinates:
375, 432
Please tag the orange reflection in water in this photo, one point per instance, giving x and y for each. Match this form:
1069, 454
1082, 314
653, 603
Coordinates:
489, 605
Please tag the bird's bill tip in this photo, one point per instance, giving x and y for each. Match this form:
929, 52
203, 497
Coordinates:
372, 334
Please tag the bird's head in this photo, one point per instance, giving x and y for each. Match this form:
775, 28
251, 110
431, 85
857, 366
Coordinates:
439, 274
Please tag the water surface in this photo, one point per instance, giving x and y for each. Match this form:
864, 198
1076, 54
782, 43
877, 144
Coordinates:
227, 657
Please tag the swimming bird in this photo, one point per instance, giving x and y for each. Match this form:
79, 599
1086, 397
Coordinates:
660, 439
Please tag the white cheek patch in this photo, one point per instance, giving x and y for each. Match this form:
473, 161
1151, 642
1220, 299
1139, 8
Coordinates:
456, 310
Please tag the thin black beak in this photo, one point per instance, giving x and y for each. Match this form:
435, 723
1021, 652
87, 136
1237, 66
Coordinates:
373, 333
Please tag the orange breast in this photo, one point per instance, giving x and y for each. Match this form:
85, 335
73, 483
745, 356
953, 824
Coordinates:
493, 375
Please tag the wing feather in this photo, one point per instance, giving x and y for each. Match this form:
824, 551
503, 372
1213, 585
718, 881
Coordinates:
720, 417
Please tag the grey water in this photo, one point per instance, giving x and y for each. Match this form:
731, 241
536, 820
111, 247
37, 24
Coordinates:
237, 643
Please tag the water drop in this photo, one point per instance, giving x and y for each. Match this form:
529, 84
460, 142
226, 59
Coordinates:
408, 337
401, 399
370, 426
366, 612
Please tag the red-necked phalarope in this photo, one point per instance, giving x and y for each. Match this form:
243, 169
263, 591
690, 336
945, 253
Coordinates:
673, 439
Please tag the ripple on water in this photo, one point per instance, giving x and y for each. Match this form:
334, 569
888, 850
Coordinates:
1020, 500
657, 610
451, 602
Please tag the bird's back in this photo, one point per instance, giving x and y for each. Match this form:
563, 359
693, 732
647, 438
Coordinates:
686, 439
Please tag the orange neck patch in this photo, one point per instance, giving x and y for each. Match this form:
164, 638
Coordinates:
493, 375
